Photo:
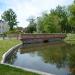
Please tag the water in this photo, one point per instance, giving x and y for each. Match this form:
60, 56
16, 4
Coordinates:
56, 58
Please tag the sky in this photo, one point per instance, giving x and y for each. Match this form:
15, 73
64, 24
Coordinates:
26, 8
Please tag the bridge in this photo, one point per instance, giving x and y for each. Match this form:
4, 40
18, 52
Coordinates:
42, 37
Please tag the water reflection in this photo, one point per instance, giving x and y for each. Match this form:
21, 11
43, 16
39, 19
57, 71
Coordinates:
56, 58
38, 47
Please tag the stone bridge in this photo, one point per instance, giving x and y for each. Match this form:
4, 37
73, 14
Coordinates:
42, 37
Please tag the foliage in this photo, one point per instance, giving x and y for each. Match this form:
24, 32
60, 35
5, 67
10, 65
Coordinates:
62, 14
32, 25
70, 38
53, 22
58, 20
72, 16
10, 17
72, 9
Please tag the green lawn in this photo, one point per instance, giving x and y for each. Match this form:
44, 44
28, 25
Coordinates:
70, 38
7, 70
7, 44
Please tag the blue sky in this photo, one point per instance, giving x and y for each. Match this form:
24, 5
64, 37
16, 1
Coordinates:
26, 8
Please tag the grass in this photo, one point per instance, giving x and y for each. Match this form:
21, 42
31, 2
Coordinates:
7, 70
7, 44
70, 38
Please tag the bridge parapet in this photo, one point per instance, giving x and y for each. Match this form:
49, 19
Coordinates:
42, 36
38, 36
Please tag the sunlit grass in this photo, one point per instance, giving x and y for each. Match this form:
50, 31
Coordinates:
7, 44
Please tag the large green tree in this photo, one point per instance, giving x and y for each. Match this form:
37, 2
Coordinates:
10, 17
61, 12
71, 18
55, 21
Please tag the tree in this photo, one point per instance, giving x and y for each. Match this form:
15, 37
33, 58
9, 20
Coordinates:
54, 26
32, 25
10, 17
71, 18
40, 23
54, 22
43, 22
62, 14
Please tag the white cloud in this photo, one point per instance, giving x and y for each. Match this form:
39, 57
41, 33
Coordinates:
26, 8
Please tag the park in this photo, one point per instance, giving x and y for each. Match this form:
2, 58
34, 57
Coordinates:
46, 46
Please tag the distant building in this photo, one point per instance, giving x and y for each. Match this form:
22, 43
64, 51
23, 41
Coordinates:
4, 27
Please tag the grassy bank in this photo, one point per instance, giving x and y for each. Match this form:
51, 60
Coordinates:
70, 38
7, 70
6, 44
